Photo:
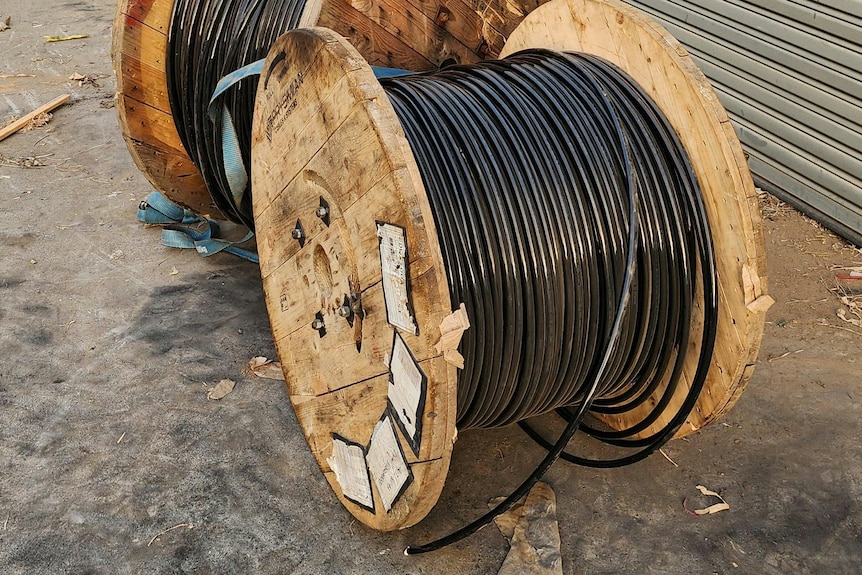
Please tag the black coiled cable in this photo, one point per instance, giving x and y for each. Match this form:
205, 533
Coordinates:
573, 229
207, 40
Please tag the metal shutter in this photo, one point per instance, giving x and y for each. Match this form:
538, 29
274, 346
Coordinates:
790, 75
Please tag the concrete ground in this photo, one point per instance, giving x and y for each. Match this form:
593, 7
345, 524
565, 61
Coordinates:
108, 342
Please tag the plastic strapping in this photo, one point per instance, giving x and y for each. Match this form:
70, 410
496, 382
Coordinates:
234, 169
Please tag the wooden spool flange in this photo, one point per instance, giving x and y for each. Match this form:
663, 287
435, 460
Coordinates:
662, 67
326, 135
347, 152
411, 35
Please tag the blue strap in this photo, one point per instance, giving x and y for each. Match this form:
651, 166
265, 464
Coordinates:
380, 72
157, 209
234, 169
253, 69
204, 241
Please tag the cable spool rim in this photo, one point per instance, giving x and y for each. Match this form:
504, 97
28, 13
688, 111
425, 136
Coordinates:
650, 55
318, 94
143, 112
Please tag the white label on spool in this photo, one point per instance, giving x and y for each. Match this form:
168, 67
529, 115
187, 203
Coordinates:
387, 463
348, 463
396, 292
407, 386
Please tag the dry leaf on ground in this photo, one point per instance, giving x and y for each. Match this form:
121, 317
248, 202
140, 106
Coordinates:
261, 367
723, 506
221, 389
65, 38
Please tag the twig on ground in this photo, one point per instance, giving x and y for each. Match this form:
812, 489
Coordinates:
668, 458
783, 355
153, 540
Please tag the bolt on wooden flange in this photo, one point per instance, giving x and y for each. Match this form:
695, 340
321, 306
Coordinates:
410, 35
376, 400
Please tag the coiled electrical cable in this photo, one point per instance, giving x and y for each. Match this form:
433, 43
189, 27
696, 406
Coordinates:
572, 227
207, 40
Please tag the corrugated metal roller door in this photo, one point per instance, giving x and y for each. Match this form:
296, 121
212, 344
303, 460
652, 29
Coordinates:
790, 76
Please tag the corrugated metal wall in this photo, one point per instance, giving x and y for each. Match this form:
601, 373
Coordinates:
790, 75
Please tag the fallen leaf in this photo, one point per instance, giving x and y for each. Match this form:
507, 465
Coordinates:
712, 509
723, 506
221, 389
174, 271
262, 367
6, 24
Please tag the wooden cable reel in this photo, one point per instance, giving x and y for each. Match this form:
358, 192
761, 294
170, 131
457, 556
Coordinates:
349, 251
411, 35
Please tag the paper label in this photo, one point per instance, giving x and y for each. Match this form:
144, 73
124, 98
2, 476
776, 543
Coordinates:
387, 463
348, 463
396, 291
407, 386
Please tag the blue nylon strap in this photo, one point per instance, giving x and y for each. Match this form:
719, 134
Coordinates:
380, 72
157, 209
253, 69
204, 242
234, 169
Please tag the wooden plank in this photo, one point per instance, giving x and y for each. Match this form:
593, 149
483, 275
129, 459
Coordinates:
153, 13
7, 131
314, 370
661, 66
152, 126
305, 194
146, 85
175, 176
414, 22
142, 65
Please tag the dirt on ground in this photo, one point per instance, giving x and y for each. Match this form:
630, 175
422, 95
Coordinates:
113, 459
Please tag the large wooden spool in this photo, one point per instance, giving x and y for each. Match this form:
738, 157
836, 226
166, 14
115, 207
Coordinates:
412, 35
325, 135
